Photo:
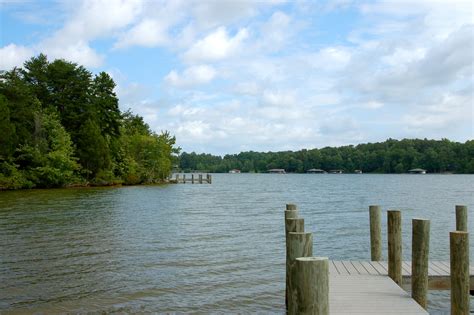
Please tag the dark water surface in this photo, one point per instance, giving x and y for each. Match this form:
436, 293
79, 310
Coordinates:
201, 248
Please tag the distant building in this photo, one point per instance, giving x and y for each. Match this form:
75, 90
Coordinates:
234, 171
358, 171
316, 171
276, 171
336, 171
417, 171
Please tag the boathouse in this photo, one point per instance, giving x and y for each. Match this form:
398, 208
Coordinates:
316, 171
417, 171
234, 171
336, 171
276, 171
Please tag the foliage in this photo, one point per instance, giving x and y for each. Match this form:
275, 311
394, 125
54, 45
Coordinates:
61, 125
148, 156
390, 156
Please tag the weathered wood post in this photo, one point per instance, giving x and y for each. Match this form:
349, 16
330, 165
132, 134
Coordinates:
200, 178
420, 251
299, 245
295, 225
311, 285
459, 252
394, 236
291, 206
209, 180
192, 178
177, 178
461, 218
375, 213
291, 214
184, 178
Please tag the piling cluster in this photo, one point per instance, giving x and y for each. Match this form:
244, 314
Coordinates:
307, 277
459, 255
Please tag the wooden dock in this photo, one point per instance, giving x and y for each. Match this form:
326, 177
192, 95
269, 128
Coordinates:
317, 285
192, 178
363, 287
369, 294
438, 272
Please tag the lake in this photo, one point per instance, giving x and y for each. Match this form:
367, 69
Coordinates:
202, 248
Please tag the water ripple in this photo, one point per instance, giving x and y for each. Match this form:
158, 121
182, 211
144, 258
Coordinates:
199, 249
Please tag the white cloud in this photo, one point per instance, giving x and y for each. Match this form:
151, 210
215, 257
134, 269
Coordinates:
14, 56
154, 25
90, 20
191, 76
79, 52
247, 88
210, 14
444, 112
372, 105
278, 98
404, 56
96, 18
147, 33
216, 46
330, 58
275, 32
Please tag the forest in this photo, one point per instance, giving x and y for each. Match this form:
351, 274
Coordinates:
390, 156
61, 126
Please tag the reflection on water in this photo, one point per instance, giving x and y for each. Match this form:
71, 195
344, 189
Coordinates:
200, 248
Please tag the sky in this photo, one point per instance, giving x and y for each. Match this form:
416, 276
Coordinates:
236, 75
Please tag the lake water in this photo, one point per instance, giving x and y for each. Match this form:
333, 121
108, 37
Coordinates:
201, 248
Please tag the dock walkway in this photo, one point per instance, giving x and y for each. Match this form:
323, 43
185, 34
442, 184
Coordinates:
369, 294
438, 272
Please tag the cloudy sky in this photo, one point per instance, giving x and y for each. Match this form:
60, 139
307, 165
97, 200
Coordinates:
236, 75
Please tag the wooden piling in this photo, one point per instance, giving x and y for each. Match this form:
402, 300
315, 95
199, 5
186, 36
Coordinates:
200, 178
192, 178
290, 206
299, 245
294, 225
394, 236
375, 213
209, 178
184, 178
310, 277
461, 218
419, 265
291, 214
177, 178
459, 252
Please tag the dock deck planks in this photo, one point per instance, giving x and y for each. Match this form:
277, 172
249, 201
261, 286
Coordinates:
438, 271
369, 294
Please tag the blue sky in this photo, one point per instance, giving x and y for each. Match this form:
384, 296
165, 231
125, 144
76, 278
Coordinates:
230, 76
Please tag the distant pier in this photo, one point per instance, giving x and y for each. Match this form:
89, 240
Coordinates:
193, 178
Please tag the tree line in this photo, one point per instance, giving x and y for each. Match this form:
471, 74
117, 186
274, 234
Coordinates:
390, 156
60, 125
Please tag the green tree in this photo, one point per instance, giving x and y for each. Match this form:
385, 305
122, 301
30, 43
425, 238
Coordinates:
8, 137
92, 149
